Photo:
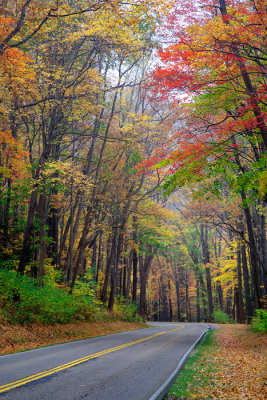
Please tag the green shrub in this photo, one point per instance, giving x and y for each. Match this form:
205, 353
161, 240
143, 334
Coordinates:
89, 308
23, 301
220, 317
259, 322
126, 311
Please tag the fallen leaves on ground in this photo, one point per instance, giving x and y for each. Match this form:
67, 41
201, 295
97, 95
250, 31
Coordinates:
242, 361
17, 337
232, 367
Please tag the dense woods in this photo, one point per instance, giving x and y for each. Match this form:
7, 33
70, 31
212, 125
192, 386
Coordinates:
132, 159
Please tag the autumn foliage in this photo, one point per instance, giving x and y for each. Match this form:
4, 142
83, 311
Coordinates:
232, 367
139, 178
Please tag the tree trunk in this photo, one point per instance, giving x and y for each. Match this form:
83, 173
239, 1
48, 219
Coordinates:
103, 296
114, 273
249, 308
198, 302
238, 292
99, 259
129, 275
170, 310
206, 259
253, 252
178, 296
135, 261
144, 271
42, 243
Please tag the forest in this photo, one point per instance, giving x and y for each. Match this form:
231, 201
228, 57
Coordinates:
132, 160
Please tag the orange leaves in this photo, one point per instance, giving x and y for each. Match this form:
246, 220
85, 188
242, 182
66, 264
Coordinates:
243, 370
13, 158
15, 66
5, 26
233, 367
16, 74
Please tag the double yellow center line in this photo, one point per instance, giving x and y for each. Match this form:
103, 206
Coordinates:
62, 367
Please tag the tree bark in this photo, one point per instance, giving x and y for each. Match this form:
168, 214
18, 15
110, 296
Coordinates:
206, 259
249, 308
144, 271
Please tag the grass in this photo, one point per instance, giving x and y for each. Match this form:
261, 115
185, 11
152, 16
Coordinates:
15, 338
197, 370
230, 363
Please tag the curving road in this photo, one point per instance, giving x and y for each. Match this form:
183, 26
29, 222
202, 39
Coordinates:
123, 366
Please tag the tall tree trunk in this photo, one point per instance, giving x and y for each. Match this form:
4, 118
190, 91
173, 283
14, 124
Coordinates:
144, 271
263, 254
220, 294
164, 300
253, 252
114, 272
7, 213
238, 291
206, 259
129, 275
156, 311
198, 302
170, 310
42, 243
135, 261
52, 223
187, 303
124, 279
229, 302
99, 259
178, 296
93, 264
25, 252
249, 308
110, 253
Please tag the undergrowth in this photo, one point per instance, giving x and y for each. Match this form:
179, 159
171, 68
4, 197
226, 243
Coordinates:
220, 317
259, 322
23, 300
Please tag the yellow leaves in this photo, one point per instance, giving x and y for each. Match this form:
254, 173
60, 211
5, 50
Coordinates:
67, 175
138, 127
263, 183
132, 245
109, 27
183, 250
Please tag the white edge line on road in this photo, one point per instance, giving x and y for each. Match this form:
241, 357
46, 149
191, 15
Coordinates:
163, 389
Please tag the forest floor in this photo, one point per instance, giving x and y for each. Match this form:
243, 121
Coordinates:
15, 338
229, 364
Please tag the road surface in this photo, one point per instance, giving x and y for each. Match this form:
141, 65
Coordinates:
123, 366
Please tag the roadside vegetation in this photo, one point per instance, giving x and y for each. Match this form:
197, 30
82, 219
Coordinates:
23, 301
32, 316
128, 187
230, 363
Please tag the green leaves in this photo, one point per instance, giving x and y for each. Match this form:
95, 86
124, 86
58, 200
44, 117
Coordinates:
24, 301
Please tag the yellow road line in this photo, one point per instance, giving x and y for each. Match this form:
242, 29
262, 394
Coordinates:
43, 374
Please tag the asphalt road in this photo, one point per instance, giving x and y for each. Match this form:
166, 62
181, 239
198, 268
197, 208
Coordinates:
123, 366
